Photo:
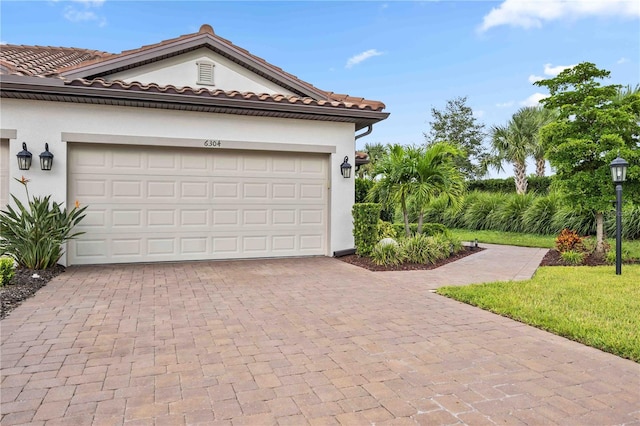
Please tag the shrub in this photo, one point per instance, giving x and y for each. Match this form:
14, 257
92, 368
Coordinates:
365, 226
482, 212
535, 184
363, 186
7, 270
630, 222
573, 257
538, 218
386, 230
34, 234
582, 221
419, 249
610, 256
568, 240
427, 228
508, 216
388, 254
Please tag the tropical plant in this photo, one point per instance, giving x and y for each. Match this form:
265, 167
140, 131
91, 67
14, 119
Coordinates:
481, 212
419, 176
573, 257
388, 253
365, 226
34, 234
516, 141
538, 219
376, 152
594, 126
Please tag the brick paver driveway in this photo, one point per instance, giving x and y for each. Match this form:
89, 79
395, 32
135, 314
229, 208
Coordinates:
295, 341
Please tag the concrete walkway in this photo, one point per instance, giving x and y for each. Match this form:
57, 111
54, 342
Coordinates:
293, 341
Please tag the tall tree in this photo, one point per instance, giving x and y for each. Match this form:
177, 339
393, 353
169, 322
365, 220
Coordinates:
457, 125
376, 152
518, 140
542, 117
593, 127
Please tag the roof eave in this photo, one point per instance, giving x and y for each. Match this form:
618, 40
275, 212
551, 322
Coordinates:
55, 90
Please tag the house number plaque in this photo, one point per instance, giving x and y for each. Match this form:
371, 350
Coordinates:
212, 143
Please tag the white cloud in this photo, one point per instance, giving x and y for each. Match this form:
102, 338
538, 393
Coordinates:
84, 11
356, 59
534, 100
505, 104
533, 13
533, 78
553, 71
622, 60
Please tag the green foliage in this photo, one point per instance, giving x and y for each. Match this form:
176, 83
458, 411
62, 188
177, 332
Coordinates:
630, 222
506, 238
386, 230
34, 234
573, 257
363, 186
594, 125
589, 305
425, 249
414, 175
568, 240
509, 215
427, 229
7, 270
581, 220
537, 184
388, 254
482, 212
610, 255
538, 219
365, 226
457, 125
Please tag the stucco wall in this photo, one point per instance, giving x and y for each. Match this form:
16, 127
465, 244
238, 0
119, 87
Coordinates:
38, 122
181, 71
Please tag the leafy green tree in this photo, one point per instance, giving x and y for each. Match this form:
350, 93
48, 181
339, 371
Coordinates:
457, 125
593, 127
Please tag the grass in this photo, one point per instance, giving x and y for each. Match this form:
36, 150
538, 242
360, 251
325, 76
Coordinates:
590, 305
532, 240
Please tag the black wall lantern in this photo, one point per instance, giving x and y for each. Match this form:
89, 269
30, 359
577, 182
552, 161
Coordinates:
345, 168
46, 158
24, 158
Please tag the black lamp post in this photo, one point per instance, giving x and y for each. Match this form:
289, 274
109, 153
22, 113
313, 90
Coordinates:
619, 175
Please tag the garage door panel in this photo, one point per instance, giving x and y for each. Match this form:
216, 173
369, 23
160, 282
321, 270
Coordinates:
175, 204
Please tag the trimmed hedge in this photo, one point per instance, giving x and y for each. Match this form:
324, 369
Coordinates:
365, 226
428, 229
539, 185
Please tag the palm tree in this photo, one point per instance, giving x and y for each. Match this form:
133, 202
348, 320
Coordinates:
516, 141
375, 151
542, 117
436, 176
395, 172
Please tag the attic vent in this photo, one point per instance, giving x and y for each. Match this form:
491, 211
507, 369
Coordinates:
205, 73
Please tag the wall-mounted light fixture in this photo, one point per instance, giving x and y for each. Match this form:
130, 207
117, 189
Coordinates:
345, 168
46, 158
24, 158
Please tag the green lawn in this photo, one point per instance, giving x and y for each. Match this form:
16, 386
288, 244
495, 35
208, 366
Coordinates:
533, 240
590, 305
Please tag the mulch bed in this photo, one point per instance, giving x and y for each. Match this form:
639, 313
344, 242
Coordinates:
552, 258
24, 285
367, 263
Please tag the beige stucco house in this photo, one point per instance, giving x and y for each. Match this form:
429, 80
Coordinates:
188, 149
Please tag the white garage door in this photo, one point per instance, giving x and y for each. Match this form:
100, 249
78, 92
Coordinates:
165, 204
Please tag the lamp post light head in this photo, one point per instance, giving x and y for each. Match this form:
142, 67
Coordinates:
345, 168
24, 158
46, 158
619, 170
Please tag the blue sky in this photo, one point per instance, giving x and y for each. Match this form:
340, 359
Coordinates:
411, 55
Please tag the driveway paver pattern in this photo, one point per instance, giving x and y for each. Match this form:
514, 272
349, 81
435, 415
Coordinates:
289, 341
